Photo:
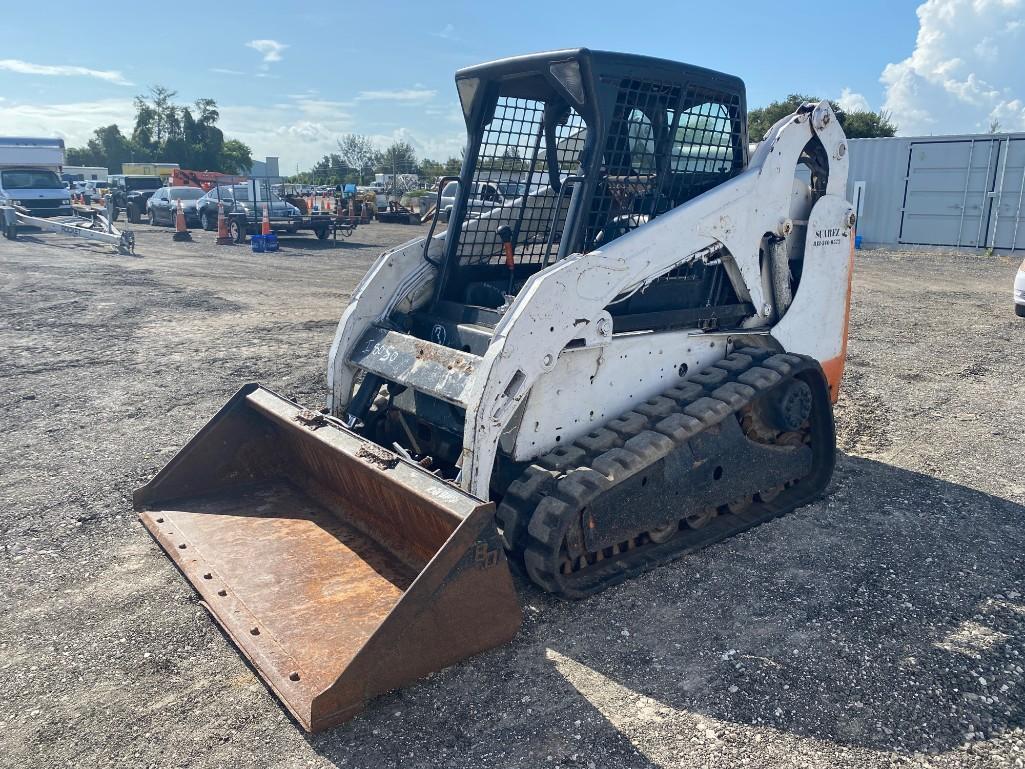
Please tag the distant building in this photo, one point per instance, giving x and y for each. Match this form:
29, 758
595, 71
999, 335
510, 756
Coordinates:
266, 169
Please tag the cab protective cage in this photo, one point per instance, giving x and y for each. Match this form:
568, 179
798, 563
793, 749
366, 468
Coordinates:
598, 143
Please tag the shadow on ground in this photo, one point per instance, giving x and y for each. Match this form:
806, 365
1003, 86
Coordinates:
860, 622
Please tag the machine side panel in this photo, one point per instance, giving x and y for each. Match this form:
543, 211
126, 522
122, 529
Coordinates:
592, 385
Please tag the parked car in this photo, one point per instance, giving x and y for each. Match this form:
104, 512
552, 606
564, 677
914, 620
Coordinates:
238, 199
162, 206
131, 193
1019, 291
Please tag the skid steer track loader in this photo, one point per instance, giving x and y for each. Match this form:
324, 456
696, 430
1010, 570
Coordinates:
624, 347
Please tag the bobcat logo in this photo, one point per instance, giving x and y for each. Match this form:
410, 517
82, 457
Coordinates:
438, 334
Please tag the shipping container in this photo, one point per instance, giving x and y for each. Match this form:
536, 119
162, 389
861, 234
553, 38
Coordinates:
963, 191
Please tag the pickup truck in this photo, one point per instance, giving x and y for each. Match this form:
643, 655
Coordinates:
484, 196
131, 193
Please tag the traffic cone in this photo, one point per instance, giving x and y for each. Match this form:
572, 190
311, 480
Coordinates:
223, 238
265, 225
180, 231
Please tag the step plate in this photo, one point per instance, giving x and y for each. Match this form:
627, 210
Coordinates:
425, 366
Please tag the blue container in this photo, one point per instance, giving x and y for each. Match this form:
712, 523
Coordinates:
857, 241
270, 242
259, 243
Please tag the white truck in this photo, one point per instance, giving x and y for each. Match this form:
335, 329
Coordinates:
30, 176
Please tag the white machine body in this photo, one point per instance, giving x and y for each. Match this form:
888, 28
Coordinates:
556, 367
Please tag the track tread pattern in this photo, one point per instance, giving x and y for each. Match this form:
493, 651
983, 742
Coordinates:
537, 508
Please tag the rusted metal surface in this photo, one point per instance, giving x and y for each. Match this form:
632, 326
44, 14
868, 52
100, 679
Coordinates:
340, 577
431, 368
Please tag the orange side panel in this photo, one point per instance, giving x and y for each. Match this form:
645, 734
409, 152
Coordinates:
833, 368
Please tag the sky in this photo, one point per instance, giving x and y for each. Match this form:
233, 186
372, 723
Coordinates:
291, 78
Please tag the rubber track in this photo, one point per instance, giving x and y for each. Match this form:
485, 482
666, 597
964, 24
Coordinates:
535, 513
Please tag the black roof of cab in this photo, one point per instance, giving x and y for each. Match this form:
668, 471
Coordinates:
602, 64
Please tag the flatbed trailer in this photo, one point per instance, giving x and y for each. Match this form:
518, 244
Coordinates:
87, 223
396, 213
241, 225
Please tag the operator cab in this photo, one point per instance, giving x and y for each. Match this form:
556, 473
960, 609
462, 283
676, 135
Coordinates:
593, 145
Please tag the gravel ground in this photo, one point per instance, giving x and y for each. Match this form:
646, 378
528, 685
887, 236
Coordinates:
883, 625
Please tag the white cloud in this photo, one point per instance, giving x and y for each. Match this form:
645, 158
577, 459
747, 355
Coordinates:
74, 122
300, 130
432, 144
967, 69
223, 71
269, 49
448, 32
402, 95
850, 101
61, 70
306, 128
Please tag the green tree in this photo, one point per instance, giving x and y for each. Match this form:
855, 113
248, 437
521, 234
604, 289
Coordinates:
867, 125
166, 132
206, 109
358, 153
335, 170
203, 140
236, 157
857, 124
142, 135
454, 165
399, 158
165, 112
431, 170
108, 148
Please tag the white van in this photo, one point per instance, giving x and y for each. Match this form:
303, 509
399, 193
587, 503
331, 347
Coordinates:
30, 176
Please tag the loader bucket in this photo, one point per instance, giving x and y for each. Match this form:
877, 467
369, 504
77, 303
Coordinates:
339, 569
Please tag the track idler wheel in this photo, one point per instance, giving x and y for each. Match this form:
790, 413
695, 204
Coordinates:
792, 406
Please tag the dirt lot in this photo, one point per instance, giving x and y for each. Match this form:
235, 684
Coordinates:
883, 625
